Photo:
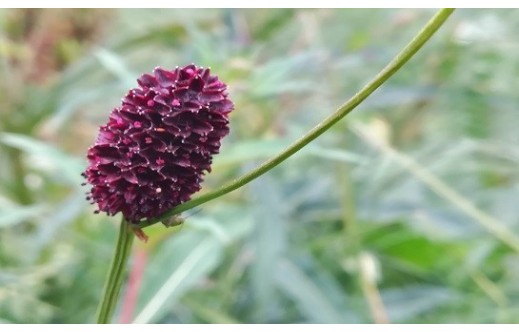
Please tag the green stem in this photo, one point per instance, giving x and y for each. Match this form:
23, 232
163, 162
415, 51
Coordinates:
400, 59
116, 274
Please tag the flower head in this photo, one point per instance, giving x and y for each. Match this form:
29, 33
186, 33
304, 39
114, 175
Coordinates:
153, 152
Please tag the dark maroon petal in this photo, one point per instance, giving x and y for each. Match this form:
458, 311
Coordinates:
197, 84
153, 152
147, 80
209, 96
165, 78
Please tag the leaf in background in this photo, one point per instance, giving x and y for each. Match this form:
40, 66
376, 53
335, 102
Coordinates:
180, 264
269, 241
244, 151
46, 157
115, 64
187, 257
393, 96
336, 154
62, 214
312, 303
409, 303
208, 314
12, 215
72, 101
414, 250
273, 22
279, 76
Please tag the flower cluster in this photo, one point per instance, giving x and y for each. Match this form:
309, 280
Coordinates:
153, 152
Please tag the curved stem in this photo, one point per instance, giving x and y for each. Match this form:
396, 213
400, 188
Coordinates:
116, 274
400, 59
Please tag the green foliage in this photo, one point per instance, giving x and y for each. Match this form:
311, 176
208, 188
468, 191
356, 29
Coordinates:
347, 220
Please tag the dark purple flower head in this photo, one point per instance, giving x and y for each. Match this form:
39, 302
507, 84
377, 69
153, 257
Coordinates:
154, 150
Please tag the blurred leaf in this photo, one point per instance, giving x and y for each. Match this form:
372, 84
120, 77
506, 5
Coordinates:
414, 250
115, 64
189, 257
269, 241
64, 213
46, 157
210, 315
73, 100
392, 96
306, 295
279, 76
337, 155
170, 34
244, 151
276, 20
408, 303
249, 150
10, 216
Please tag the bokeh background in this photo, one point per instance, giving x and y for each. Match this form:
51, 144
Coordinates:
407, 211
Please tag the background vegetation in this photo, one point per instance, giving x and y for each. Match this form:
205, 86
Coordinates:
405, 212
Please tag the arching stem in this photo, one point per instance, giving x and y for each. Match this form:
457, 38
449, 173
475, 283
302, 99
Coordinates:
398, 61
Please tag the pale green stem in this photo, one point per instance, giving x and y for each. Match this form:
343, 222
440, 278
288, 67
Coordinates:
407, 53
116, 274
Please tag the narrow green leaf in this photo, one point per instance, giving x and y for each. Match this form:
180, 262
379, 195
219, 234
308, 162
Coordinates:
47, 157
10, 216
188, 258
306, 295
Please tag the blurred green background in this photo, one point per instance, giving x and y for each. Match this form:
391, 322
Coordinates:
407, 211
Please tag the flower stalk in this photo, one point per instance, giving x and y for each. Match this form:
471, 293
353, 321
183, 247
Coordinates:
115, 274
